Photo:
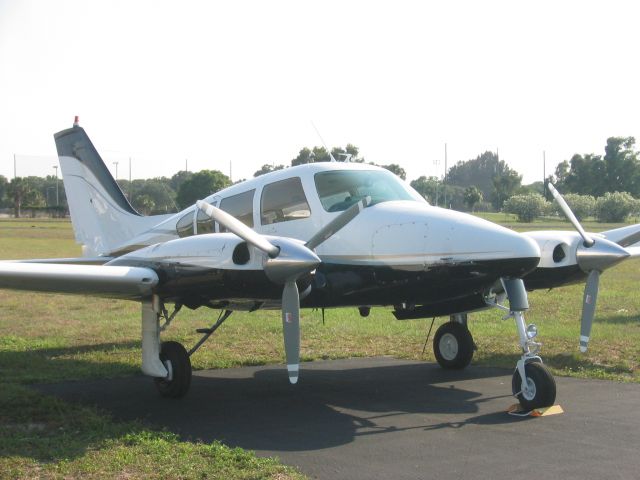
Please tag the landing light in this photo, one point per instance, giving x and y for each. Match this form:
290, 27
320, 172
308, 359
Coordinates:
532, 331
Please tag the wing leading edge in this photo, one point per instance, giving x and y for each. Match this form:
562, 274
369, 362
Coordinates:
129, 283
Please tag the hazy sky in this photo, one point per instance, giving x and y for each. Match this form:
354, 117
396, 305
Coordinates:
241, 81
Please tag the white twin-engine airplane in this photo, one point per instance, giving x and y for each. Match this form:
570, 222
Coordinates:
319, 235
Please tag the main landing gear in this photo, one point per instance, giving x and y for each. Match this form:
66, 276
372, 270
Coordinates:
532, 383
453, 344
168, 362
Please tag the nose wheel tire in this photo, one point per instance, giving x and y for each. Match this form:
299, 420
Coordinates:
176, 360
541, 387
453, 346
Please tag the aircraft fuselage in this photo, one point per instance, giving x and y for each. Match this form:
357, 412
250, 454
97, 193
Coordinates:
400, 250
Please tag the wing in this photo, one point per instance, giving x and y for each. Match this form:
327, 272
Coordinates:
129, 283
65, 261
634, 251
625, 236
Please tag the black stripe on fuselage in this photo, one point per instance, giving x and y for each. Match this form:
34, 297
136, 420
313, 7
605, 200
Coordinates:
349, 285
334, 285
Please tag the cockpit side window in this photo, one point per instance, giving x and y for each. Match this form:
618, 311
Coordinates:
184, 226
239, 206
339, 189
283, 201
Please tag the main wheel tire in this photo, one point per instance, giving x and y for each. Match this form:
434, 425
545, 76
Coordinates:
176, 359
541, 390
453, 346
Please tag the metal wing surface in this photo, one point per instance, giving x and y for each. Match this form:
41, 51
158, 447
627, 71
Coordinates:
129, 283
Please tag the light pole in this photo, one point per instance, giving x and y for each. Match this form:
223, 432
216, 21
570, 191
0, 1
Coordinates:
116, 164
544, 174
57, 197
444, 180
436, 163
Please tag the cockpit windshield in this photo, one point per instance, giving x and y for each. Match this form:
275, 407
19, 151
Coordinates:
339, 189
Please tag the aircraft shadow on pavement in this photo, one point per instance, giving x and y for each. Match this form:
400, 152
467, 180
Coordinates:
255, 407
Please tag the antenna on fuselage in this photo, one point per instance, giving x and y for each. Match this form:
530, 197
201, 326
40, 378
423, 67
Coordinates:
322, 140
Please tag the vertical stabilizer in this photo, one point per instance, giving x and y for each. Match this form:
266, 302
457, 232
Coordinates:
103, 219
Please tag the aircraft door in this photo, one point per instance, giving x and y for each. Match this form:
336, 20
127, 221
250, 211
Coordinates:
284, 209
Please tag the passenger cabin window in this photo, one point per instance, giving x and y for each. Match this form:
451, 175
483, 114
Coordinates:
184, 227
339, 189
204, 222
240, 206
283, 201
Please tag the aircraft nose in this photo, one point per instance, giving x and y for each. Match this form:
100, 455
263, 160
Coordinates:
528, 247
524, 251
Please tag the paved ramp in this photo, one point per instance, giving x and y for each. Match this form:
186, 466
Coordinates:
386, 418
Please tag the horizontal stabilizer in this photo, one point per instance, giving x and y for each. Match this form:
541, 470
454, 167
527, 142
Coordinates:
130, 283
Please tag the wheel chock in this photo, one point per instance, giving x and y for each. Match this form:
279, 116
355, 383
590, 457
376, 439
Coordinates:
516, 410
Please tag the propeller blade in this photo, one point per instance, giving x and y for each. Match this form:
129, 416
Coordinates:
291, 328
337, 223
240, 229
588, 308
569, 214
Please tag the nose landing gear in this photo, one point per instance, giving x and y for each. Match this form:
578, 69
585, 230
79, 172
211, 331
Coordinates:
532, 383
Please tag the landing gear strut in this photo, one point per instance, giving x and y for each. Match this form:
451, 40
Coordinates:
169, 363
532, 383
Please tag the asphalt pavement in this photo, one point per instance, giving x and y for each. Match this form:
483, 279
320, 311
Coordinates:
376, 418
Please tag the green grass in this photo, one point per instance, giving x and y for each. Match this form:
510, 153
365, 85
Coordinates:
47, 338
43, 437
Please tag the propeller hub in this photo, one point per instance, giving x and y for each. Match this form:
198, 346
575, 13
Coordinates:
293, 261
602, 254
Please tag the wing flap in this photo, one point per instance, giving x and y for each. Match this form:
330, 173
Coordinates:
130, 283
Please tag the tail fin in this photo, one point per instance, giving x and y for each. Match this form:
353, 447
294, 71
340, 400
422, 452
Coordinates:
103, 219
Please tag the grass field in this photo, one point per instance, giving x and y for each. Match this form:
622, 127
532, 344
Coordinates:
46, 338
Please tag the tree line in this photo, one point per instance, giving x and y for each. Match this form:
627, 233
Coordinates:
148, 196
483, 183
612, 207
350, 153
